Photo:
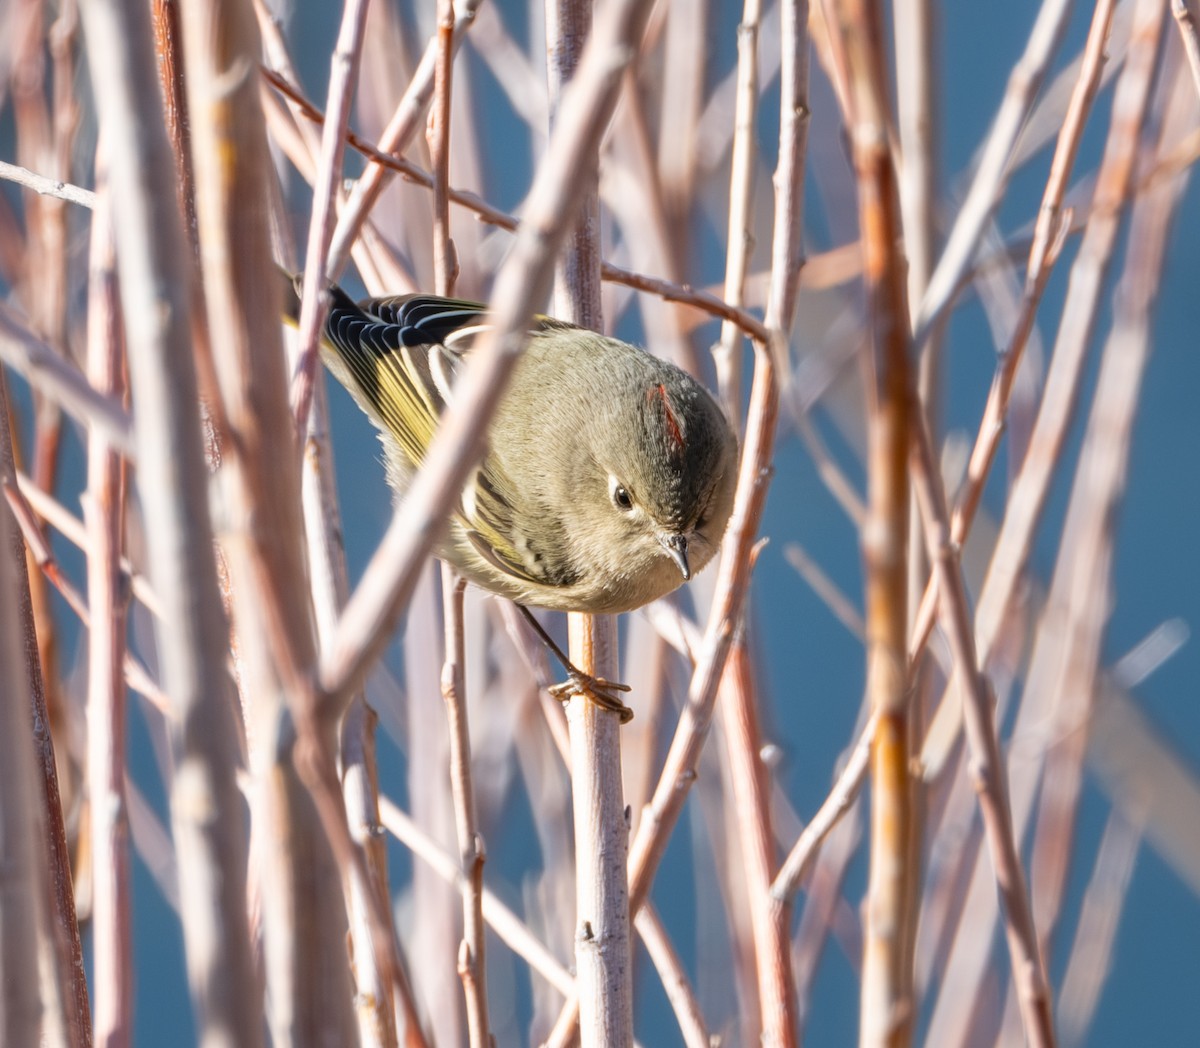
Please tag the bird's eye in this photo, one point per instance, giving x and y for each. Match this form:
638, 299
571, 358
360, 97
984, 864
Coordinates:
621, 498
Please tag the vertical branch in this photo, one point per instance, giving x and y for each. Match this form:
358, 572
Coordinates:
970, 956
739, 238
382, 984
472, 963
787, 237
577, 271
887, 1008
297, 800
1089, 540
1043, 253
20, 1000
172, 482
916, 58
987, 187
987, 765
770, 917
754, 470
168, 49
395, 138
342, 76
603, 957
1185, 18
104, 513
44, 139
445, 264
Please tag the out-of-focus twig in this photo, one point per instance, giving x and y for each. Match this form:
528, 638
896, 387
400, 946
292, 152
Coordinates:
987, 767
1104, 900
674, 977
104, 512
404, 124
305, 856
991, 176
153, 258
739, 239
21, 896
1089, 539
508, 927
56, 377
1185, 18
72, 528
1043, 254
845, 790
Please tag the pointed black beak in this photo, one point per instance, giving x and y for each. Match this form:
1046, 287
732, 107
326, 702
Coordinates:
676, 546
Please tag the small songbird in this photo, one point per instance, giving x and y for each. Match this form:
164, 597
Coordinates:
609, 474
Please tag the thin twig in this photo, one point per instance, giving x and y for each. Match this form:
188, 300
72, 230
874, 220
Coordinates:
991, 176
1186, 20
471, 958
49, 373
152, 255
137, 674
72, 528
841, 798
21, 910
509, 928
1086, 556
47, 186
1042, 255
342, 77
770, 916
987, 768
740, 240
104, 511
667, 290
405, 122
1092, 952
674, 978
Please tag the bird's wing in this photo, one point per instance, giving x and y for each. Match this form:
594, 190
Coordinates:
404, 353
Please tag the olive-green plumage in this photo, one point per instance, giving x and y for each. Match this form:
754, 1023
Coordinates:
608, 477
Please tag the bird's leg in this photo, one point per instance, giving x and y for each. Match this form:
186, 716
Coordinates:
599, 690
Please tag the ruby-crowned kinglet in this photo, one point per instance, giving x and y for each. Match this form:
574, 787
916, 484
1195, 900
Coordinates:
609, 474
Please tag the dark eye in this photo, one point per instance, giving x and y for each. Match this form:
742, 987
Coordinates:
621, 498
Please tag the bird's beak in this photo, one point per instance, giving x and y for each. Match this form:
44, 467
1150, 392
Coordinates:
676, 546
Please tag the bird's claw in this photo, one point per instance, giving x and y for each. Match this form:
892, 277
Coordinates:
599, 690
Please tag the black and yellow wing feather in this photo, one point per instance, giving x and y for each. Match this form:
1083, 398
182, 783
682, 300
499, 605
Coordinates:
403, 353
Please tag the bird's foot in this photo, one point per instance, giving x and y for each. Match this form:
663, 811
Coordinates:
600, 691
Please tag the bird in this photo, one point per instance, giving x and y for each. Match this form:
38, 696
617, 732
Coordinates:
608, 476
